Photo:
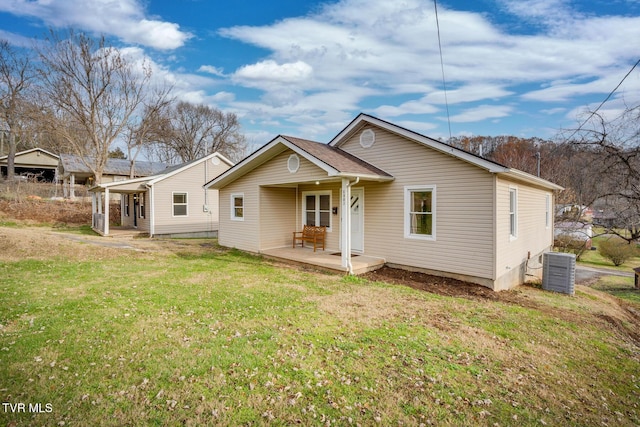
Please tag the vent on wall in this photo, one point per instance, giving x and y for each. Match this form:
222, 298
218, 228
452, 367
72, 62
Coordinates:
559, 272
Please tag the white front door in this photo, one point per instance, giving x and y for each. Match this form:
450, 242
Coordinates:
357, 219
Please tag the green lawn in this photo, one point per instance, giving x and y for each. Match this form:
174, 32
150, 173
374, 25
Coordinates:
199, 335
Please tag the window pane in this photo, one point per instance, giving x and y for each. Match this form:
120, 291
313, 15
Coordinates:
311, 203
179, 210
311, 218
324, 202
238, 212
325, 218
421, 201
421, 223
179, 198
237, 202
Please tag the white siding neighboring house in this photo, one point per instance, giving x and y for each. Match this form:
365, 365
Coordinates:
172, 203
385, 191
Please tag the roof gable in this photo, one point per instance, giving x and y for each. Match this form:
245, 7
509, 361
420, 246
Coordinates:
32, 150
363, 120
166, 173
334, 161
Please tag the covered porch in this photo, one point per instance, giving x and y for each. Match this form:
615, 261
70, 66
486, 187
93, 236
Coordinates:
324, 260
132, 208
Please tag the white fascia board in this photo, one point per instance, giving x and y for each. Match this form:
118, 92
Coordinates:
531, 179
379, 178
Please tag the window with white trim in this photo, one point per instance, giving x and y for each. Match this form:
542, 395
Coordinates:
237, 207
180, 207
513, 213
316, 208
419, 212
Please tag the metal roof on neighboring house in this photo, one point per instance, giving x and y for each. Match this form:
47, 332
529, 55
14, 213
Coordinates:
75, 164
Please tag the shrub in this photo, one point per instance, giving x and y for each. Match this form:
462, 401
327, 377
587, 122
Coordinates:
569, 244
617, 251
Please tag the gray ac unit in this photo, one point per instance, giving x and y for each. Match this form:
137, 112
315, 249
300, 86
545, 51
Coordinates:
559, 272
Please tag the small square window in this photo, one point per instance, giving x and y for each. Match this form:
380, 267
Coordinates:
180, 204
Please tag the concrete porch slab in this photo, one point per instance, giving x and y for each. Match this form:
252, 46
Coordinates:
325, 260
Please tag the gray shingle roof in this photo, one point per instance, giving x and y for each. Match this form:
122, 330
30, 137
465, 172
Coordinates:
336, 158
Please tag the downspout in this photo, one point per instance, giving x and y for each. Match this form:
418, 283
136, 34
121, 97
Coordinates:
346, 223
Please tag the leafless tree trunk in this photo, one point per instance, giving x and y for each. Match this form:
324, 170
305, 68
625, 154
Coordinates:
16, 75
93, 91
147, 128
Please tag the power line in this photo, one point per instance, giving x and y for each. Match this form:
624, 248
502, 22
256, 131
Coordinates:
603, 102
444, 83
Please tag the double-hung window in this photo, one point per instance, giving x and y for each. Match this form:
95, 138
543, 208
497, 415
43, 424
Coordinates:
180, 204
419, 212
513, 213
237, 207
316, 208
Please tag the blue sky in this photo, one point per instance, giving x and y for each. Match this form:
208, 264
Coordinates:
307, 68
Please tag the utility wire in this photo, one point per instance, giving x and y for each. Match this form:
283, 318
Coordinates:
444, 83
602, 103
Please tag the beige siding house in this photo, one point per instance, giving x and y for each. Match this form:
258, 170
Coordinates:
35, 162
387, 192
171, 203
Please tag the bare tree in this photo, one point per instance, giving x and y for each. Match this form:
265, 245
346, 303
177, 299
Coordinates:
93, 91
188, 131
617, 144
147, 129
16, 76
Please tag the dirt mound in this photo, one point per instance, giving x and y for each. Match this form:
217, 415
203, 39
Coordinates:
53, 211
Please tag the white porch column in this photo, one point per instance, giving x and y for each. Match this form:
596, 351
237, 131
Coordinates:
106, 211
345, 225
99, 199
65, 188
72, 186
93, 210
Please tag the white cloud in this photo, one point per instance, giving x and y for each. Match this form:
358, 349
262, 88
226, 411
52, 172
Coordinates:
125, 19
482, 112
216, 71
267, 72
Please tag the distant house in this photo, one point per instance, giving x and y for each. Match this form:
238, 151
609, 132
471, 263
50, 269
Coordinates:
73, 170
170, 203
575, 230
384, 191
35, 162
